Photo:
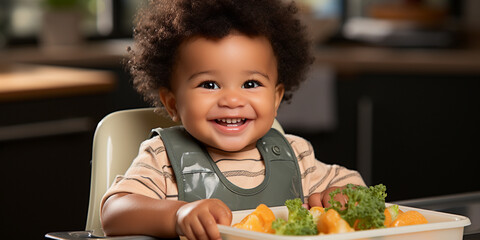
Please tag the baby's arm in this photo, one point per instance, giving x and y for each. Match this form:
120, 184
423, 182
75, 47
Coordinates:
134, 214
318, 178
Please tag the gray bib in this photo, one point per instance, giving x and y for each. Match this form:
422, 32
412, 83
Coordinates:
198, 177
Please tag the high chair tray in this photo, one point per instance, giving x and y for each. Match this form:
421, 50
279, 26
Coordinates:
81, 235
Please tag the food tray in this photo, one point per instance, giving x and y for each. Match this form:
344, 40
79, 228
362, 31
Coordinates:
440, 226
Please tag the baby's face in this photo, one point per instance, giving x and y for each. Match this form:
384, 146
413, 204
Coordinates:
225, 91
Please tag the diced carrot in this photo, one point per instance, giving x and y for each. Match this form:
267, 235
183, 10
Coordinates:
259, 220
391, 213
316, 213
409, 218
388, 218
331, 222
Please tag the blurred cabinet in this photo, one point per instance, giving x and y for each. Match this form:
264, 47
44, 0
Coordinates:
47, 119
407, 118
415, 133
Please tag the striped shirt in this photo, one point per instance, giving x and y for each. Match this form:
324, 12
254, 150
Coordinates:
151, 173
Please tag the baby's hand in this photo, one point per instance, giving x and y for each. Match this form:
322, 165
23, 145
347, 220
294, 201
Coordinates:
198, 220
321, 199
338, 197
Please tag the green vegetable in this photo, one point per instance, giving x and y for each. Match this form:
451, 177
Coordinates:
365, 204
394, 211
300, 220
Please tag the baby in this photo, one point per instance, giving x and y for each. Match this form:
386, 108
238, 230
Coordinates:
221, 68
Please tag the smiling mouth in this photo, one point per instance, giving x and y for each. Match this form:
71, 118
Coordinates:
231, 122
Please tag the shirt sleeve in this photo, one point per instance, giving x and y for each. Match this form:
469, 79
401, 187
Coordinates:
150, 174
318, 176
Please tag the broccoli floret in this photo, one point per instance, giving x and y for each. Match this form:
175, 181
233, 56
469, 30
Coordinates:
365, 207
300, 220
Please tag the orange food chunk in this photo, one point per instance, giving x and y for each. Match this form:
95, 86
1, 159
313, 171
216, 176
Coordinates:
409, 218
331, 222
316, 213
259, 220
391, 215
388, 218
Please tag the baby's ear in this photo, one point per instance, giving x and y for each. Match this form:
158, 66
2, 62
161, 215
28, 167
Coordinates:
167, 97
279, 91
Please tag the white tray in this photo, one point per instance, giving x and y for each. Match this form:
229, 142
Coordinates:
440, 226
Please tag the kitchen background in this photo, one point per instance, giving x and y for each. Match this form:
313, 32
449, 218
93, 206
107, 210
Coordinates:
393, 93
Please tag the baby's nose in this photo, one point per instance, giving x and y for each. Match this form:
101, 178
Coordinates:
232, 99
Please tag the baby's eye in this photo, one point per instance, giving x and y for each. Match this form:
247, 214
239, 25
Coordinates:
251, 84
209, 85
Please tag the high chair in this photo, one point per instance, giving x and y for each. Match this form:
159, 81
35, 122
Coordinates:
116, 142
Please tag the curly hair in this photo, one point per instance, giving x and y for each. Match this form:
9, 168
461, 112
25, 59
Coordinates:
165, 24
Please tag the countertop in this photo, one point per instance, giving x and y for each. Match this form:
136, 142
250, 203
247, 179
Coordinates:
22, 82
465, 204
350, 58
103, 54
354, 59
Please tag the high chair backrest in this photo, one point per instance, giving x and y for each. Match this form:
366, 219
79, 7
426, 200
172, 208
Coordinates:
115, 144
